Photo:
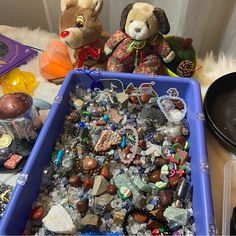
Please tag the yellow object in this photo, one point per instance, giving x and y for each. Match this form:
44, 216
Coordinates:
169, 72
5, 141
18, 81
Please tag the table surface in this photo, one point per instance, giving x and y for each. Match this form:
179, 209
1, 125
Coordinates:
217, 155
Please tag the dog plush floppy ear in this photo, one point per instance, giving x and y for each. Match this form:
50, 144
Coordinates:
163, 23
124, 16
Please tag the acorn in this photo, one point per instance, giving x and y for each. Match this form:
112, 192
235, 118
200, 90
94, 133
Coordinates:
186, 69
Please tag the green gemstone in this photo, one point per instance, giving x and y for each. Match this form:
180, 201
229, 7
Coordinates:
86, 113
162, 229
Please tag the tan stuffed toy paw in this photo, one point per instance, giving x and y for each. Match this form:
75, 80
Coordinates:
170, 57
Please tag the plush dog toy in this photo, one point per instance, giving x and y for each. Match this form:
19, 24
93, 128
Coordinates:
81, 30
139, 45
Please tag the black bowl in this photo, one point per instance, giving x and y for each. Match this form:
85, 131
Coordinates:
220, 110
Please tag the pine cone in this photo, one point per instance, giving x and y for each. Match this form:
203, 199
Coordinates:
186, 69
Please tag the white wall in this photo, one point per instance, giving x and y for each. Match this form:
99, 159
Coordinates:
53, 11
228, 45
23, 13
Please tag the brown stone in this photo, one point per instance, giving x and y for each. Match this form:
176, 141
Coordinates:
166, 197
75, 181
155, 176
133, 99
105, 171
82, 206
179, 105
112, 189
144, 98
87, 183
37, 213
173, 182
140, 218
183, 156
161, 161
91, 220
180, 139
142, 144
90, 163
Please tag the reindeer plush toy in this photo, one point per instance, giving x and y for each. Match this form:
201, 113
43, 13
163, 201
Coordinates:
81, 30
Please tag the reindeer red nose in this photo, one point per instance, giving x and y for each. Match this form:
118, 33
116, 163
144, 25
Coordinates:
64, 34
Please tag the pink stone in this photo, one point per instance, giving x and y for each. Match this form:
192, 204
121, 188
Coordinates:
106, 140
114, 116
13, 161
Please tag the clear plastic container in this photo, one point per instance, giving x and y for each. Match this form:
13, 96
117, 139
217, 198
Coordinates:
229, 196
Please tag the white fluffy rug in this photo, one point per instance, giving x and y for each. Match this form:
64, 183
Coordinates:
212, 68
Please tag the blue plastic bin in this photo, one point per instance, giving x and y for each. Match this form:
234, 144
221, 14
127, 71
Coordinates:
27, 188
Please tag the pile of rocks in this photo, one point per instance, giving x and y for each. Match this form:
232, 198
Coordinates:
121, 164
